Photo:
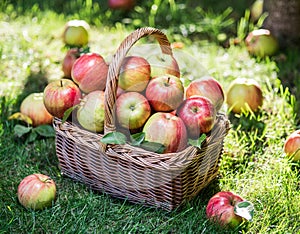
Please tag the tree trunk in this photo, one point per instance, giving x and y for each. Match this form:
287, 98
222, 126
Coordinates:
283, 20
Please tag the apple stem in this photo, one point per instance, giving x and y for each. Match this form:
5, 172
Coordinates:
169, 79
61, 83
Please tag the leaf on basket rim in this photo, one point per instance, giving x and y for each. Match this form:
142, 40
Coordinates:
198, 142
114, 138
68, 113
137, 138
153, 146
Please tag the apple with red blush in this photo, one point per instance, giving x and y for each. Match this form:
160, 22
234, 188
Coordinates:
121, 4
68, 61
292, 146
89, 72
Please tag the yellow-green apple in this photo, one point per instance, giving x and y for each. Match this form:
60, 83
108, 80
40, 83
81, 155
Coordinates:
165, 93
121, 4
198, 114
221, 209
90, 112
76, 33
166, 129
207, 87
132, 110
261, 43
68, 61
37, 191
60, 95
134, 74
162, 64
243, 94
33, 107
89, 72
292, 145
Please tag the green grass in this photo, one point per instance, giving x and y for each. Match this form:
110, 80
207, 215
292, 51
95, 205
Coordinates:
253, 164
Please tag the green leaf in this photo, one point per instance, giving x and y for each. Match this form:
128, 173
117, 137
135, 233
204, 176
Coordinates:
244, 209
153, 147
68, 113
32, 136
137, 138
20, 130
114, 138
45, 130
198, 142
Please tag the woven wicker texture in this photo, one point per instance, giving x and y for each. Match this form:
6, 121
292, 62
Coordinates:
132, 173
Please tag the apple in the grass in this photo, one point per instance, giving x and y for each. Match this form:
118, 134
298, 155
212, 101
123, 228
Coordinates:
89, 72
168, 130
68, 61
165, 93
162, 64
261, 43
76, 33
121, 4
243, 94
90, 112
132, 110
228, 209
134, 74
198, 114
37, 191
207, 87
60, 95
292, 145
33, 107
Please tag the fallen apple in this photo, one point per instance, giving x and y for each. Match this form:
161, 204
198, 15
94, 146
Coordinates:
166, 129
198, 114
134, 74
76, 33
292, 145
228, 209
261, 43
60, 95
89, 72
68, 61
165, 93
208, 87
244, 95
33, 107
37, 191
132, 110
90, 112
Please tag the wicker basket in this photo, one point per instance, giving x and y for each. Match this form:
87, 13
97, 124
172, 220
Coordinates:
132, 173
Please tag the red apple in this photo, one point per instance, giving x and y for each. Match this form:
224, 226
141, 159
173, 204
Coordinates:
68, 61
37, 191
162, 64
292, 145
60, 95
134, 74
166, 129
89, 72
220, 209
261, 43
198, 114
76, 33
132, 110
33, 107
165, 93
207, 87
121, 4
90, 113
244, 94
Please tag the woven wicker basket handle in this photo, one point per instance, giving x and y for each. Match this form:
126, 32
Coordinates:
114, 68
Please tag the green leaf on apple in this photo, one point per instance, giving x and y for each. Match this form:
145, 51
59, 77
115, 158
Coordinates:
153, 146
114, 138
198, 142
21, 130
68, 113
44, 130
137, 138
244, 209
